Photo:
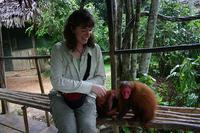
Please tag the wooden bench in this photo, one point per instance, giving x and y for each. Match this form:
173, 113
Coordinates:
186, 118
27, 99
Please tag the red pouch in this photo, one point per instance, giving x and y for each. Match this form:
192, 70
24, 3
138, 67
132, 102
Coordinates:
74, 100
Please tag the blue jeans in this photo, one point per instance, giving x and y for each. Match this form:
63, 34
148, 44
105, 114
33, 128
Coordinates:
80, 120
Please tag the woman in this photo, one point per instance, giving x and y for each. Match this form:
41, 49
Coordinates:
76, 68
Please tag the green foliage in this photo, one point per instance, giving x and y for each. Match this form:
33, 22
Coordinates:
101, 7
101, 28
150, 81
181, 88
49, 27
126, 129
147, 79
174, 8
184, 78
163, 93
166, 93
53, 16
107, 67
46, 73
108, 76
142, 31
171, 33
174, 33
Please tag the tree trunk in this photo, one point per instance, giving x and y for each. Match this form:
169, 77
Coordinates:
2, 73
120, 6
111, 12
191, 7
126, 43
134, 65
149, 37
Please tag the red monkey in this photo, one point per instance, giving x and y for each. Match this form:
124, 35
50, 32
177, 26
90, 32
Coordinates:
140, 98
107, 105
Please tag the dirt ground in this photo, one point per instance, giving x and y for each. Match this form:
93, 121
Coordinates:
27, 81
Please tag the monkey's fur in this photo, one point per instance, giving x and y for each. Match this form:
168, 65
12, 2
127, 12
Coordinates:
107, 105
141, 100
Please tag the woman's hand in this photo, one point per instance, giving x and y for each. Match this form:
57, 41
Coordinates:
99, 90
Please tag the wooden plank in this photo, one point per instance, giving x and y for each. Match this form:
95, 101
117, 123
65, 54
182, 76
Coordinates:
21, 99
158, 124
28, 97
197, 114
28, 104
178, 120
161, 124
180, 109
167, 115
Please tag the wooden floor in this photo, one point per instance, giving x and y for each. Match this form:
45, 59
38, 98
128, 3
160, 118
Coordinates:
11, 123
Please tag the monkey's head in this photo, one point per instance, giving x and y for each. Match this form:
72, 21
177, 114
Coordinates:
125, 90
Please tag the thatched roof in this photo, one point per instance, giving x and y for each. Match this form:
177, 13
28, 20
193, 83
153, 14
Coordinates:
14, 13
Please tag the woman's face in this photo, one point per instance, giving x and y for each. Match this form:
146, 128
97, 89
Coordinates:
82, 34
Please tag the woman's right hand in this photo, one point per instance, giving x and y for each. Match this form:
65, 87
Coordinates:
99, 90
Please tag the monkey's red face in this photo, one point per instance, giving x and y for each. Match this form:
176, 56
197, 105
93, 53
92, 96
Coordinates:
126, 92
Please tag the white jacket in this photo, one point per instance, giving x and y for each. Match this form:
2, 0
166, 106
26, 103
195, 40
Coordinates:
65, 75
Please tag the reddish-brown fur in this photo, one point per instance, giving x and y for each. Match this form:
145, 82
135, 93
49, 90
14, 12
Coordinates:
142, 101
107, 105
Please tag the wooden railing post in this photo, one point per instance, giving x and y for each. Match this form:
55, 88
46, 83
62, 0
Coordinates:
39, 76
25, 119
41, 87
2, 74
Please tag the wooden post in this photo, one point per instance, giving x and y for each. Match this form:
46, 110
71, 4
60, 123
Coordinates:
38, 67
25, 119
41, 87
112, 37
39, 75
2, 73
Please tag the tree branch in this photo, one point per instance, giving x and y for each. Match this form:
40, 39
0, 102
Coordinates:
173, 19
165, 18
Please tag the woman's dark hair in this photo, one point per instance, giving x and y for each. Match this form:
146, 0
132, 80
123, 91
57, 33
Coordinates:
78, 18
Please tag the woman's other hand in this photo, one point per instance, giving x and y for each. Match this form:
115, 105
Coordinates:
99, 90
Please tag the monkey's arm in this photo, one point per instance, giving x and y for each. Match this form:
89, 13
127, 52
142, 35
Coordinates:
123, 109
